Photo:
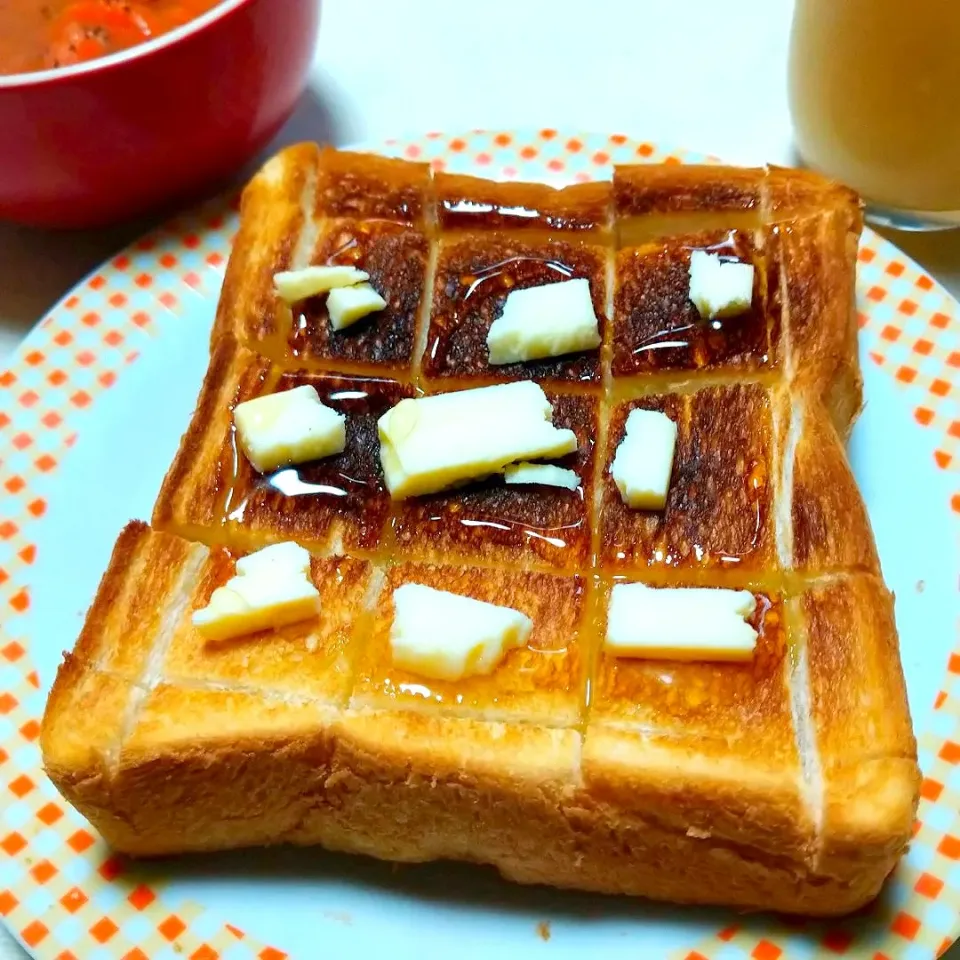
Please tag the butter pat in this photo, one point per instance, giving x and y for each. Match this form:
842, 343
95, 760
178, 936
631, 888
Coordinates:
272, 588
435, 442
347, 305
643, 462
691, 623
719, 288
446, 636
543, 474
295, 285
292, 426
545, 321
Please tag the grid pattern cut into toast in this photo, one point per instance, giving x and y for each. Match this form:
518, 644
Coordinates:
733, 783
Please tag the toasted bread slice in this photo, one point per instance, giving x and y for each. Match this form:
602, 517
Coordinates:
788, 782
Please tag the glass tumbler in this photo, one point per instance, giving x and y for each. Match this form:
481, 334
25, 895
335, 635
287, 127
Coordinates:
874, 97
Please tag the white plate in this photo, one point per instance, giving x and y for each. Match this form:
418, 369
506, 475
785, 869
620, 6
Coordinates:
116, 367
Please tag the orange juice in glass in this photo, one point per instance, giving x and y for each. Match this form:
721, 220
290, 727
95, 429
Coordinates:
875, 98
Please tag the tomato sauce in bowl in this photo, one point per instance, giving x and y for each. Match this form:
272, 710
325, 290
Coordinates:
99, 140
44, 34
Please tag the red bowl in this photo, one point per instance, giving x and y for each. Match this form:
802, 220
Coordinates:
105, 140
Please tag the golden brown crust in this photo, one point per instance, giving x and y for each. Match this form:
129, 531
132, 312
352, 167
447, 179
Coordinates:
830, 529
271, 220
810, 268
115, 593
132, 602
461, 788
857, 695
699, 790
82, 725
698, 777
772, 192
215, 769
788, 191
860, 721
411, 788
869, 812
788, 783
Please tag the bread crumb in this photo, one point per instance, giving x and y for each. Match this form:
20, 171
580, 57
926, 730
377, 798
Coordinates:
311, 643
543, 930
698, 834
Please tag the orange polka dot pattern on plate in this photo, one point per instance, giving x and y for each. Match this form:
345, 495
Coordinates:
65, 896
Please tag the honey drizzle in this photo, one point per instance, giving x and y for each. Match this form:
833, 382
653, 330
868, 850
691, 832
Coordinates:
686, 382
281, 359
612, 390
773, 655
568, 388
640, 229
388, 552
598, 237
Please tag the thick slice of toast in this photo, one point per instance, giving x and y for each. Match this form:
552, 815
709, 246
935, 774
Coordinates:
789, 782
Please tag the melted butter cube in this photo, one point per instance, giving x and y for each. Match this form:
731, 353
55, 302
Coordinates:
542, 474
347, 305
295, 285
446, 636
431, 443
544, 321
272, 588
293, 426
719, 288
687, 623
643, 463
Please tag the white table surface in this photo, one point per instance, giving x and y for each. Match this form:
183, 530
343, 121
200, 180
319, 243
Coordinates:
693, 73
